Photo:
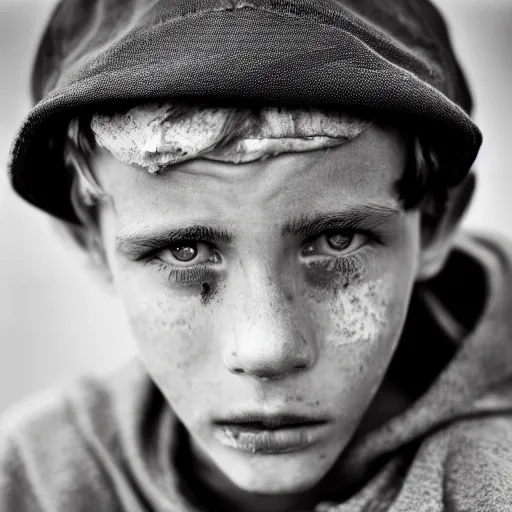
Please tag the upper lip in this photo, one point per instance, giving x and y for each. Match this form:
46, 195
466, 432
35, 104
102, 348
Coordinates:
270, 422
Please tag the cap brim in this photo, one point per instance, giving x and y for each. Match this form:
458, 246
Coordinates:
252, 56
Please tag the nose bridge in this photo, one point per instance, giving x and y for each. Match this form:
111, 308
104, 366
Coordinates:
265, 339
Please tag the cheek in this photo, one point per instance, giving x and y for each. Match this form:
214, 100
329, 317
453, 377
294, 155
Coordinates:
361, 321
359, 328
363, 314
171, 332
165, 331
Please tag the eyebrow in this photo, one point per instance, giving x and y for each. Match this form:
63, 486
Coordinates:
362, 217
136, 238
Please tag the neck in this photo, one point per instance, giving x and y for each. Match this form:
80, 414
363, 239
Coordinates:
210, 489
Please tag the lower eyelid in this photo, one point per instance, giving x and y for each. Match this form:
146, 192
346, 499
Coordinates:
184, 275
345, 264
357, 262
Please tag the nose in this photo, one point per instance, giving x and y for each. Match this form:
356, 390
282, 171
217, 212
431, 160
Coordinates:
267, 338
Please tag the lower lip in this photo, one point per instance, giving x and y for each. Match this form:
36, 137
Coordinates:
270, 442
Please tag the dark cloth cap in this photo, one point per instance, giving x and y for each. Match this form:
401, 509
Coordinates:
390, 58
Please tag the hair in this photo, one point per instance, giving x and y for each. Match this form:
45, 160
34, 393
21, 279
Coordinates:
422, 180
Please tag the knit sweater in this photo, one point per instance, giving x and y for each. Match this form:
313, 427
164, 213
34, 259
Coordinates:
113, 444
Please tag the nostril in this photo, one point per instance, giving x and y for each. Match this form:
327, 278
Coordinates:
300, 367
237, 370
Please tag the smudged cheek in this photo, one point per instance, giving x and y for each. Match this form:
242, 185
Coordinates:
359, 327
172, 335
362, 314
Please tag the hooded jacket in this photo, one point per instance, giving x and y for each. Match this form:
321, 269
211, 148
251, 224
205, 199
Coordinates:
114, 445
384, 58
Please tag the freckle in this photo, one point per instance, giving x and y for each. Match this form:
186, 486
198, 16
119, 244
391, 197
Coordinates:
348, 333
317, 402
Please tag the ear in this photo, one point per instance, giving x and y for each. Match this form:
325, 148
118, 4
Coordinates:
437, 232
85, 196
88, 247
96, 261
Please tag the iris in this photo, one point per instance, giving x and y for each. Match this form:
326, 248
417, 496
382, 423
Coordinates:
184, 252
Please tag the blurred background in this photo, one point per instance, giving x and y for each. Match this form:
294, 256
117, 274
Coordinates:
56, 323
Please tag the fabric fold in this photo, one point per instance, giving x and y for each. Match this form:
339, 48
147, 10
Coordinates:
155, 136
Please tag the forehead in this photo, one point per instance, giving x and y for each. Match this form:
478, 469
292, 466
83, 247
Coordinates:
360, 172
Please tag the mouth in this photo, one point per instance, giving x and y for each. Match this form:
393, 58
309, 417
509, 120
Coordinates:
270, 435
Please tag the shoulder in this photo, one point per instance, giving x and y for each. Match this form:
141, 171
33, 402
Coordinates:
479, 465
54, 447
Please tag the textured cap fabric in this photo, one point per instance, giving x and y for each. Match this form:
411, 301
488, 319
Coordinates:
389, 58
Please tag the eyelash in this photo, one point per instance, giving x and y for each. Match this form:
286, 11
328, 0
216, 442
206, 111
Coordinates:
349, 265
185, 275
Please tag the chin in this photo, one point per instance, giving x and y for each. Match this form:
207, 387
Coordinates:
270, 487
278, 474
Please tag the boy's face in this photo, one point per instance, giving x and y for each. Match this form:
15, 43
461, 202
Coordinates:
290, 302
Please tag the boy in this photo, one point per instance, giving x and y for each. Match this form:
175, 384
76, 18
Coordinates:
273, 189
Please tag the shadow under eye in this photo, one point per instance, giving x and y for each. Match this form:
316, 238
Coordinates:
335, 273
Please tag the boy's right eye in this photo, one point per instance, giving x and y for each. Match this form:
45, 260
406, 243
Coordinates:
188, 252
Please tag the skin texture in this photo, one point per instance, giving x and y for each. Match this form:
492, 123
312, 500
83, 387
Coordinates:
262, 329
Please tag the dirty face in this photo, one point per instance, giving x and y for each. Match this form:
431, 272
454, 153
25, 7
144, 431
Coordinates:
266, 298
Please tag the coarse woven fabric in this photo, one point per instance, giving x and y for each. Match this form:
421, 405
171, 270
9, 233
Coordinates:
389, 58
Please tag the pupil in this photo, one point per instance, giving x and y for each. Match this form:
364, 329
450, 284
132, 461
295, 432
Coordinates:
185, 253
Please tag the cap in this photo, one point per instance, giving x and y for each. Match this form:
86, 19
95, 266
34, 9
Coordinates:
383, 58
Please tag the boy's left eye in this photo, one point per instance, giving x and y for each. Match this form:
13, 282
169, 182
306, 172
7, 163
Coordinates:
334, 244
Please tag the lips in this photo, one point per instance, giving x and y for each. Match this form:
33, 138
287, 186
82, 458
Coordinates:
263, 434
270, 422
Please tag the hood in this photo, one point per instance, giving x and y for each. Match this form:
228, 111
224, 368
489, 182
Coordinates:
454, 360
384, 58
